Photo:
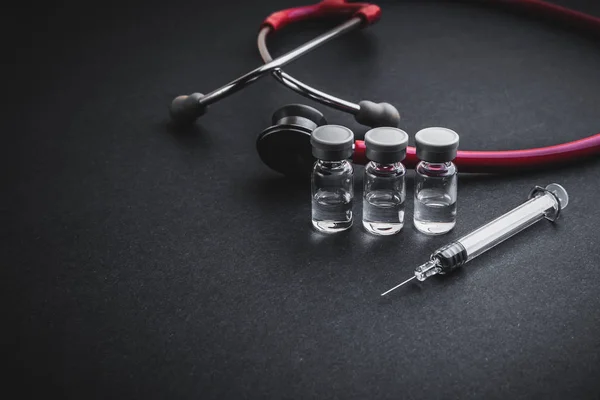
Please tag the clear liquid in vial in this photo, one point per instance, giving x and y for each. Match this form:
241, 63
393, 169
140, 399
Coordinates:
435, 212
332, 210
383, 212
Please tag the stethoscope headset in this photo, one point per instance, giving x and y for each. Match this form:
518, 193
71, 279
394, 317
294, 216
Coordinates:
285, 146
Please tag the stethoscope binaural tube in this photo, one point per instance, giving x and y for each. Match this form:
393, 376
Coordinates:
186, 109
467, 161
365, 112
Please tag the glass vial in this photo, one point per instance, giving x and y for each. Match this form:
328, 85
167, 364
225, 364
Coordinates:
332, 178
435, 181
384, 189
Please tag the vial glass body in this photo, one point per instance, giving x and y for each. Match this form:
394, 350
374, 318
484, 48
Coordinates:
332, 195
383, 198
435, 197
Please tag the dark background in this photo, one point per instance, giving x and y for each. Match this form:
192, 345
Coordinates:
140, 262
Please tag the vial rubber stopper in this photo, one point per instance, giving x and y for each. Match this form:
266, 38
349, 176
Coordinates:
386, 145
436, 144
332, 142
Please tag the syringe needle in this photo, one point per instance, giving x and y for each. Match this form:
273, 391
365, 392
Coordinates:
397, 286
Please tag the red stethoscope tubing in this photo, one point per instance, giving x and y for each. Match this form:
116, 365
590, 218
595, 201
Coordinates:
470, 161
497, 161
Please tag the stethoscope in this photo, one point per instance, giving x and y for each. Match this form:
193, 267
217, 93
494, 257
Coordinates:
285, 146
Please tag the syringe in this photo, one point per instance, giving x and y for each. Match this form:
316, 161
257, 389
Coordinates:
543, 203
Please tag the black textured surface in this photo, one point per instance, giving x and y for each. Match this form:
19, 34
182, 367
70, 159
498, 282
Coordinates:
139, 262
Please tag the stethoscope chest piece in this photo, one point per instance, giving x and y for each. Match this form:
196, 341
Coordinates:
285, 146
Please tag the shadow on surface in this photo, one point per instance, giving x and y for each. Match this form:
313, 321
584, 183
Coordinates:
275, 189
191, 136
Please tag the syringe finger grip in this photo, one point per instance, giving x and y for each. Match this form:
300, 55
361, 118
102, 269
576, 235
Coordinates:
450, 256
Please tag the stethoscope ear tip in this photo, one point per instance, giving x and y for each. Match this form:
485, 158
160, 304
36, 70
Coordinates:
186, 109
377, 114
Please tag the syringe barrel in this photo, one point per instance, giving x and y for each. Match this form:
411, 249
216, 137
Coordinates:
543, 204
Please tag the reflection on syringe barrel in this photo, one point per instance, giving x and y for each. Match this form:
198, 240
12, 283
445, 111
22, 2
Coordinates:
505, 226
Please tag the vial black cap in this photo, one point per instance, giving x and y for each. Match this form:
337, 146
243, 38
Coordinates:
386, 145
332, 142
436, 144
